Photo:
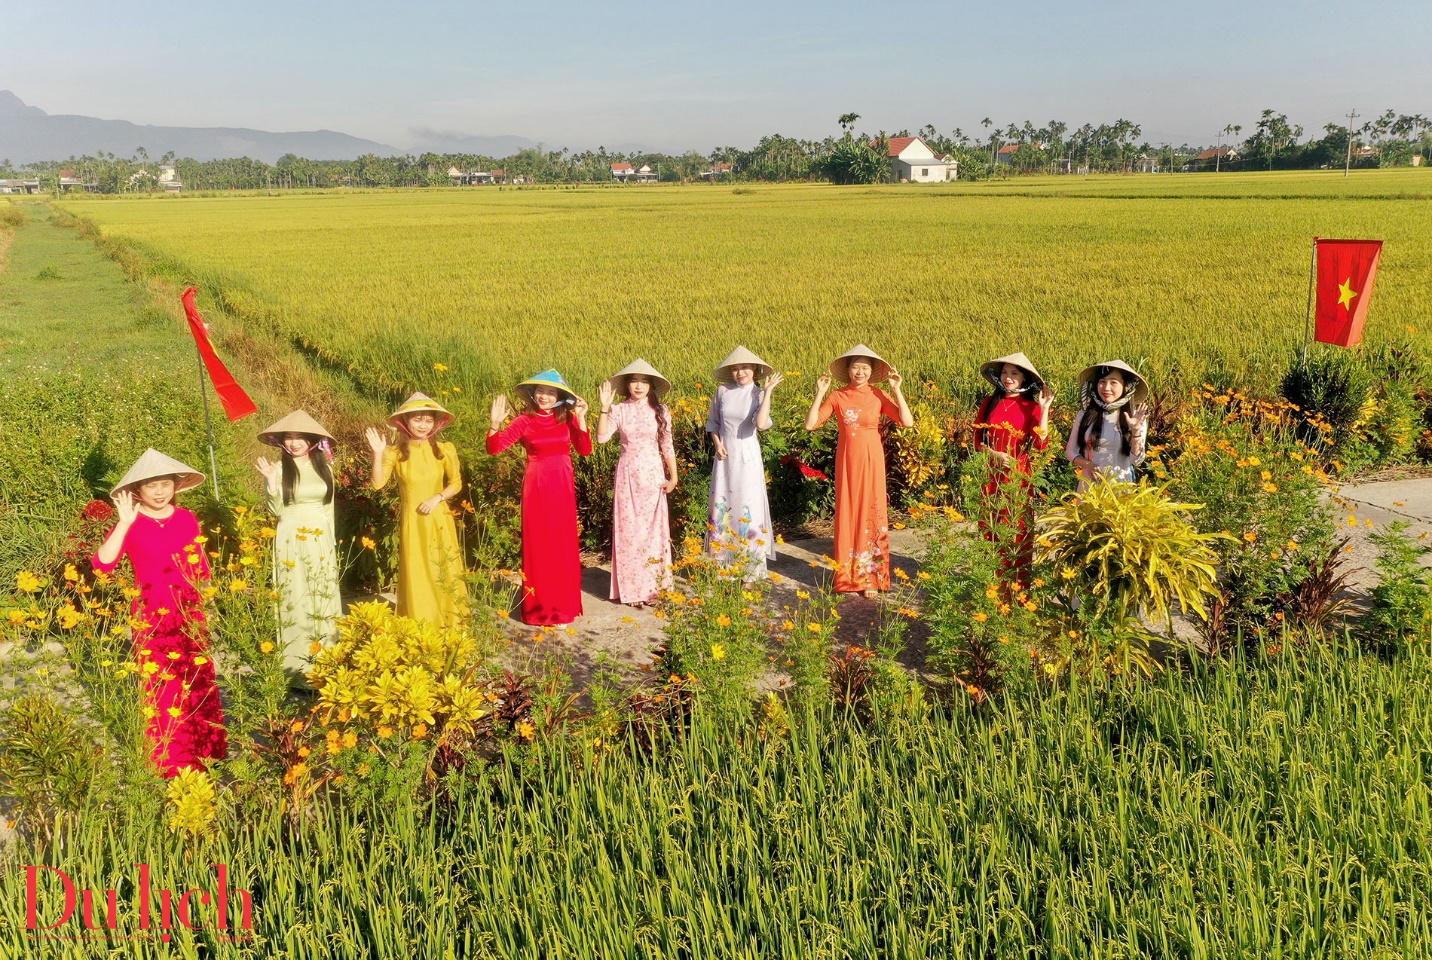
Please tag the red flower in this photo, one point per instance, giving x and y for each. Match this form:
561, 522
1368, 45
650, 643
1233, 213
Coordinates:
97, 511
806, 471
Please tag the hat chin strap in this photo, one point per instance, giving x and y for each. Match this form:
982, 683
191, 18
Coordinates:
1118, 404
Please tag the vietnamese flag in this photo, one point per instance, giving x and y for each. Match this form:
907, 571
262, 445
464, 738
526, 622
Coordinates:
237, 404
1346, 269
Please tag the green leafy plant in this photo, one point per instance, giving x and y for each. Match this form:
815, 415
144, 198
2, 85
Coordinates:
1132, 550
1402, 600
48, 761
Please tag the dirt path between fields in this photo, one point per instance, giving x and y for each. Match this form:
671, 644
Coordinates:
610, 635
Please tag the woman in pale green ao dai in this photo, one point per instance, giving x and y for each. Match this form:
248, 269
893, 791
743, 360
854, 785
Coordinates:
299, 489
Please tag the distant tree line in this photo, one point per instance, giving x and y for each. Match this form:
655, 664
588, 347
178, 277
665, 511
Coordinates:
1390, 139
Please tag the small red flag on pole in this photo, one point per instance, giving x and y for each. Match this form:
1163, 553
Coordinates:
1345, 272
237, 404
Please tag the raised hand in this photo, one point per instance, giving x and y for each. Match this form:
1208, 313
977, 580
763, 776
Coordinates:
895, 380
822, 383
607, 393
376, 442
771, 382
1138, 416
499, 410
128, 509
1046, 397
268, 468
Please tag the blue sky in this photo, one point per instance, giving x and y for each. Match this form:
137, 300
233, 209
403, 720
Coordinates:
706, 74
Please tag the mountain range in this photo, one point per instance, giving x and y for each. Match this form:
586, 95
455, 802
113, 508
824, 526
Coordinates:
29, 135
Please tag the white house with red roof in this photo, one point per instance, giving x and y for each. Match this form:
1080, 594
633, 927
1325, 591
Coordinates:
626, 172
912, 159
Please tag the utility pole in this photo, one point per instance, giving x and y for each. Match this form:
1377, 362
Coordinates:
1347, 165
1217, 148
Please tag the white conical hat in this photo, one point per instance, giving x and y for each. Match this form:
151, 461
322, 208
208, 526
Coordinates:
840, 366
990, 371
640, 368
741, 357
153, 464
1138, 393
296, 422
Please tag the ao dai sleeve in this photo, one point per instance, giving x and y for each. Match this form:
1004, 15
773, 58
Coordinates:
616, 419
668, 448
827, 407
452, 466
391, 458
713, 418
508, 435
581, 439
101, 567
1039, 439
1138, 447
1071, 449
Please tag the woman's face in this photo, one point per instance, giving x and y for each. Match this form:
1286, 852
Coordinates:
638, 387
1110, 386
1011, 378
546, 398
297, 444
743, 375
859, 372
420, 425
156, 494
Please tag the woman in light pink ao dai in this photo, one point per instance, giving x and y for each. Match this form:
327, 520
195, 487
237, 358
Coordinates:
646, 473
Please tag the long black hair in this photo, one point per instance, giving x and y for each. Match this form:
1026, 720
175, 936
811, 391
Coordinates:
1094, 412
318, 459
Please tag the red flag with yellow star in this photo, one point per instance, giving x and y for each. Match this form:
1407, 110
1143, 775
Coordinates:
1346, 269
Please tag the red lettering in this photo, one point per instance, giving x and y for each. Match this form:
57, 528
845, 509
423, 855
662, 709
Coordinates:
183, 906
143, 895
32, 905
111, 915
245, 898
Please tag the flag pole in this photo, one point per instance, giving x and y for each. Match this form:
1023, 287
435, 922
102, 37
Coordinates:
1308, 315
208, 423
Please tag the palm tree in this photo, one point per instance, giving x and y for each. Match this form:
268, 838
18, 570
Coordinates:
847, 122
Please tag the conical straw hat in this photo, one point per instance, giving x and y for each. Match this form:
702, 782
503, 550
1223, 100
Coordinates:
640, 368
547, 378
1138, 393
296, 422
840, 366
153, 464
419, 403
741, 357
991, 370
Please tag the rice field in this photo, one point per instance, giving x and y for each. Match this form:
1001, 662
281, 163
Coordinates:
1184, 273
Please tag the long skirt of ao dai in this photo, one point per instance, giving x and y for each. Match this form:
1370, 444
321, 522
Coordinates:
738, 532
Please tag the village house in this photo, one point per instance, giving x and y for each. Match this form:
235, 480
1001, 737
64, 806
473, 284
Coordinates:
912, 159
20, 186
473, 178
626, 173
717, 170
1212, 158
70, 180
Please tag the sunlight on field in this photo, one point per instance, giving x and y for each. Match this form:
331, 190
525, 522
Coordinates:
499, 283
